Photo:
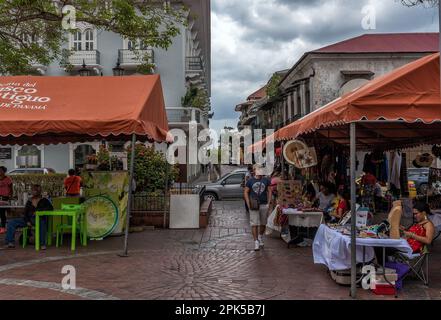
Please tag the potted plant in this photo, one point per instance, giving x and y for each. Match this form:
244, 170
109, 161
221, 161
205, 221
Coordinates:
91, 162
103, 158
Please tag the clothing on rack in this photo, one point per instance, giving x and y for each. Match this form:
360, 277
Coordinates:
403, 175
395, 169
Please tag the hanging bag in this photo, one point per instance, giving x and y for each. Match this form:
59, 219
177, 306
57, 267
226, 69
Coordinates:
254, 202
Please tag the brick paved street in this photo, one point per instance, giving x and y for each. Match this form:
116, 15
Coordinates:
215, 263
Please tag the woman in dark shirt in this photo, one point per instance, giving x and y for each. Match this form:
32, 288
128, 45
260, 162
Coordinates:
36, 203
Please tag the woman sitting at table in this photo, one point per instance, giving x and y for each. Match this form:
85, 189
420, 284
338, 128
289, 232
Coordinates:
419, 235
422, 232
36, 203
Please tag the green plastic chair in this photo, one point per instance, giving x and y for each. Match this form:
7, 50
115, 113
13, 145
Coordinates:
64, 227
25, 234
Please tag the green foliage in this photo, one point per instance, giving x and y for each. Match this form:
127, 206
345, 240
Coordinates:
103, 158
53, 184
195, 98
151, 168
31, 30
272, 89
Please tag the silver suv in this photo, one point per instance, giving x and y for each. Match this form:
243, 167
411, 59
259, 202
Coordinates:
229, 186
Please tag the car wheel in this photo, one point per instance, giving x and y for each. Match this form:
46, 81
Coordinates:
423, 188
210, 196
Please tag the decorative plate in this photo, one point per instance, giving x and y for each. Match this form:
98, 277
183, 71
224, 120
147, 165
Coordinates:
101, 215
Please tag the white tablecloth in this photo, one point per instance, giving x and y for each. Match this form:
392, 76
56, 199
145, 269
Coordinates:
303, 219
333, 249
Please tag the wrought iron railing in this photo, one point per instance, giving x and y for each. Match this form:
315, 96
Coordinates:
194, 64
136, 57
89, 57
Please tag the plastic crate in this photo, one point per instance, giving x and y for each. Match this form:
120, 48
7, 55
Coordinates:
384, 290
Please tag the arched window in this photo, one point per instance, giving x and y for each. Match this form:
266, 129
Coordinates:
89, 40
29, 157
77, 41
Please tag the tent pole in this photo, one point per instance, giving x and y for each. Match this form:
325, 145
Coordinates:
439, 21
165, 194
129, 204
353, 215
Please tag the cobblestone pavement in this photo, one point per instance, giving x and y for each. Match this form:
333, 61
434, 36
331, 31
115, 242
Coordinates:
215, 263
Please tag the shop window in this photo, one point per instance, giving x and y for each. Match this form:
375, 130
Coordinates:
29, 157
117, 146
81, 154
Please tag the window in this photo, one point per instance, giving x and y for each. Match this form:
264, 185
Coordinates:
89, 42
29, 157
84, 40
235, 179
134, 45
77, 41
308, 101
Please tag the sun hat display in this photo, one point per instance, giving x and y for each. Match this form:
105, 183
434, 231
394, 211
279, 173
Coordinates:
297, 153
423, 160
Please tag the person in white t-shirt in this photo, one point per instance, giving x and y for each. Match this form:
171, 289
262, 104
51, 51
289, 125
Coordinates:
325, 196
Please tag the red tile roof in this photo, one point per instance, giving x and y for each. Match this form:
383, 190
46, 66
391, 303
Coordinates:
259, 94
387, 43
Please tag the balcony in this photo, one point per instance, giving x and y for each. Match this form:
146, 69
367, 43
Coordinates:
134, 58
91, 58
183, 116
193, 64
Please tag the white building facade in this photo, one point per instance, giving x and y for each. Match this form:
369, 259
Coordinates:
187, 61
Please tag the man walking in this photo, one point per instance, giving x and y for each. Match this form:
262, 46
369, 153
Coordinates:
257, 195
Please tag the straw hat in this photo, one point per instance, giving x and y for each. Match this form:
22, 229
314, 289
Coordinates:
423, 160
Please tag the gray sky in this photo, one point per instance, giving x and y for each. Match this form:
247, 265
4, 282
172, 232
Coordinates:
251, 39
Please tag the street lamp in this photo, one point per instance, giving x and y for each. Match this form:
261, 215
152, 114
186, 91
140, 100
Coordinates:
84, 71
118, 71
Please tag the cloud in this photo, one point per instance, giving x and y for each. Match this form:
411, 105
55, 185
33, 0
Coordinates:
251, 39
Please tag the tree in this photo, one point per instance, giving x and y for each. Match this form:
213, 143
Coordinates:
31, 31
151, 169
194, 98
428, 3
272, 89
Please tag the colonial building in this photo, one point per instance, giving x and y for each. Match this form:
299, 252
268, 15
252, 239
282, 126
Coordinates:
248, 109
97, 52
322, 75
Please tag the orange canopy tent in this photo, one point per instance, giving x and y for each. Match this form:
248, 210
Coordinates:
400, 109
50, 110
47, 110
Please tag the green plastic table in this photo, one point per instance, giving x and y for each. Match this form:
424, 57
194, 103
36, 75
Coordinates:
59, 213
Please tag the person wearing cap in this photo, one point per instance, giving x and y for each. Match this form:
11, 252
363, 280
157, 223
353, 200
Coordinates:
258, 187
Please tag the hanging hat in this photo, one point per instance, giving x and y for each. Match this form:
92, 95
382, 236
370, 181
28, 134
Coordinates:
297, 153
436, 151
424, 160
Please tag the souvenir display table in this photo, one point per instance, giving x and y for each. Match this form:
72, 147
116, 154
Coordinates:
298, 218
333, 248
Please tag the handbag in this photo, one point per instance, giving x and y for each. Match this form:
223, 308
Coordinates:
254, 202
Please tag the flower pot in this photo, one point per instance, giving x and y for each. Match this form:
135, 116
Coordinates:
91, 166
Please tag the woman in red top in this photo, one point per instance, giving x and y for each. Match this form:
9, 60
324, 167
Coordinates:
422, 232
5, 195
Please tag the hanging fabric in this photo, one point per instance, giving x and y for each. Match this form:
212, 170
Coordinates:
403, 175
395, 169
